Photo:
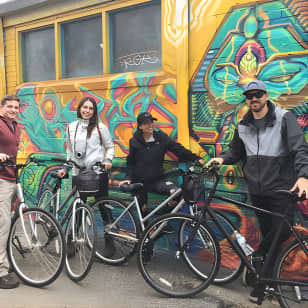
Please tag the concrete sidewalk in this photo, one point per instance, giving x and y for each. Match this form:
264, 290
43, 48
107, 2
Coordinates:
120, 287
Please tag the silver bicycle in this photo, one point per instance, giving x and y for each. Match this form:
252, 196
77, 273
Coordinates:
120, 227
77, 219
36, 244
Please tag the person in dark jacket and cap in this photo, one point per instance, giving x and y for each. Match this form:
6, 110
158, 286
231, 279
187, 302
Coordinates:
274, 153
145, 160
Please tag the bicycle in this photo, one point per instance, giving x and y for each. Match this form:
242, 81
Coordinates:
120, 227
192, 232
78, 221
36, 246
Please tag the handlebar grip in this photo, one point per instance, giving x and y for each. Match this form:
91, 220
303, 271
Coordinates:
292, 195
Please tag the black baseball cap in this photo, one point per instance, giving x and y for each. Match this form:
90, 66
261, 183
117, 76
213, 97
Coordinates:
144, 117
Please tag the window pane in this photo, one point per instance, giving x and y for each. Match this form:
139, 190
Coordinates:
81, 47
136, 39
38, 55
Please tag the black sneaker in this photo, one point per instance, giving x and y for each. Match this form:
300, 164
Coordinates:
267, 295
9, 282
109, 248
147, 253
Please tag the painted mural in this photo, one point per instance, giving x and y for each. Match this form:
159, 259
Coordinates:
45, 113
230, 43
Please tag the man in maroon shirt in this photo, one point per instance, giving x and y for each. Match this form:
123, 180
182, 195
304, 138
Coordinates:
9, 140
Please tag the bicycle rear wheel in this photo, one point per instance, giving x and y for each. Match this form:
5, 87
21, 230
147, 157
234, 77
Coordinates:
164, 266
81, 239
118, 231
36, 247
292, 264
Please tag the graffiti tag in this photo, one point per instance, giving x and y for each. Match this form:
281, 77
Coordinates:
139, 58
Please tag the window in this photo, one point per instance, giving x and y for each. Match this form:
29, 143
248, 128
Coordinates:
38, 54
81, 43
136, 39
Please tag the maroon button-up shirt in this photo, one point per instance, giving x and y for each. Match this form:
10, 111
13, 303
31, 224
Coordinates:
9, 140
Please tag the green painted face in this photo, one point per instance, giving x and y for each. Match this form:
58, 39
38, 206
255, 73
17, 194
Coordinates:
258, 43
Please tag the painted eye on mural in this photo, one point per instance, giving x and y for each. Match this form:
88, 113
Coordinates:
282, 78
225, 76
280, 71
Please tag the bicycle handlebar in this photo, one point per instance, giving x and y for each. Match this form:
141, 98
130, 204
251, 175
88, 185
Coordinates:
292, 195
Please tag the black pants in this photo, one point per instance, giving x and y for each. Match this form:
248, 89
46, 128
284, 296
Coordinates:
159, 187
269, 224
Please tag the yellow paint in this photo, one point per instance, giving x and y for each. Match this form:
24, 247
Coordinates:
105, 42
182, 58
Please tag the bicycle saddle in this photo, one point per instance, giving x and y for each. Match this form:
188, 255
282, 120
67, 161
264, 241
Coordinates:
132, 188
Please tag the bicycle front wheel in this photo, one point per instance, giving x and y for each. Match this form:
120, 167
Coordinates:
81, 239
118, 231
292, 264
36, 247
162, 255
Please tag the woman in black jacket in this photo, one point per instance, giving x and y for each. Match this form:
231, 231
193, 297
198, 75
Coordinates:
145, 160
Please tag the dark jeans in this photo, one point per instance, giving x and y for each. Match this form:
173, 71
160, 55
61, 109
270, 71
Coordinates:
269, 224
159, 187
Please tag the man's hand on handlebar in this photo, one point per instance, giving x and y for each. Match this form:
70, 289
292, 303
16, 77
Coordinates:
3, 157
302, 186
125, 182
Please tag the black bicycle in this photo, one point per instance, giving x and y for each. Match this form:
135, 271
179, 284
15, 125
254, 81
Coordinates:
186, 262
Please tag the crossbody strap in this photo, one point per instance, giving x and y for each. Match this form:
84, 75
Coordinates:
98, 130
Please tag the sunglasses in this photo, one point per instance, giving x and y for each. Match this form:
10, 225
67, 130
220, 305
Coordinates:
258, 94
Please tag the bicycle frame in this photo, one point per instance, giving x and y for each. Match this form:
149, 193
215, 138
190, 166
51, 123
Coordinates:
60, 207
268, 261
147, 217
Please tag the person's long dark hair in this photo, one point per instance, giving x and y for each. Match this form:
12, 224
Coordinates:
93, 121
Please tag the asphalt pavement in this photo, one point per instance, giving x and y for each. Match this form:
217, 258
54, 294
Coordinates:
120, 287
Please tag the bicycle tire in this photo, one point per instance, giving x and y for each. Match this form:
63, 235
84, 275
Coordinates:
116, 242
47, 201
292, 264
164, 267
231, 265
81, 249
41, 261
